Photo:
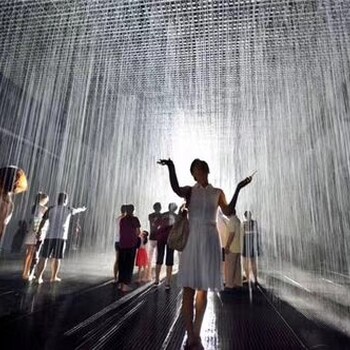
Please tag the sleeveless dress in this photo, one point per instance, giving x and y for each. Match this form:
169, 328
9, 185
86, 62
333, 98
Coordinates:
142, 256
200, 261
30, 238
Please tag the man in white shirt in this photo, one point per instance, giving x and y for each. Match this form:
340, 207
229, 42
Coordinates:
56, 237
233, 270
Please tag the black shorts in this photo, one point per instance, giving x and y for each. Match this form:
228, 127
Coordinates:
169, 260
116, 246
53, 248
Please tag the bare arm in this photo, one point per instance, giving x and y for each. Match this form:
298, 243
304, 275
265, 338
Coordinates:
78, 210
180, 191
228, 209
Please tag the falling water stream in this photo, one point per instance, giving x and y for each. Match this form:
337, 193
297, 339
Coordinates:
93, 93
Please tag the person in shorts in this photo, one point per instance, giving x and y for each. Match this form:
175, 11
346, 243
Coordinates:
56, 237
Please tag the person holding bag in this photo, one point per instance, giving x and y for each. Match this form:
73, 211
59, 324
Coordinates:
200, 261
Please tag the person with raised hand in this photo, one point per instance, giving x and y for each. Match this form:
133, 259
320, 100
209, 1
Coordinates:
200, 261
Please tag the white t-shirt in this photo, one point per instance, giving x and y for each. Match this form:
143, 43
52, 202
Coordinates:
117, 228
222, 228
234, 225
59, 219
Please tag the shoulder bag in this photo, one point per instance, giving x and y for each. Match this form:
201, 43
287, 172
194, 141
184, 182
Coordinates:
179, 232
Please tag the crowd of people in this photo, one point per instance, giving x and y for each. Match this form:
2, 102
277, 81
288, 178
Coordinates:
134, 246
201, 262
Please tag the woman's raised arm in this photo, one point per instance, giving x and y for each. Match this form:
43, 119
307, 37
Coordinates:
228, 209
180, 191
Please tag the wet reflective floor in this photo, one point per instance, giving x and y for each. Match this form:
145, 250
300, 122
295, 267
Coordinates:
87, 311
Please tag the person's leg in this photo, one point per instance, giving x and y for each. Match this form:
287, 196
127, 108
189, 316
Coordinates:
254, 269
200, 306
30, 252
121, 276
144, 274
116, 266
58, 248
116, 263
169, 262
246, 268
237, 270
44, 255
139, 275
41, 268
129, 268
160, 259
55, 267
229, 270
187, 312
151, 251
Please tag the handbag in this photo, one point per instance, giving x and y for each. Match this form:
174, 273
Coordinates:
180, 231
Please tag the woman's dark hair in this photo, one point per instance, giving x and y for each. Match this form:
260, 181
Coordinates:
200, 164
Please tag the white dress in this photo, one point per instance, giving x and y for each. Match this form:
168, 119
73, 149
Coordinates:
30, 238
200, 261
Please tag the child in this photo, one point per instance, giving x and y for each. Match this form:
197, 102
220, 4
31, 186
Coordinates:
142, 258
32, 241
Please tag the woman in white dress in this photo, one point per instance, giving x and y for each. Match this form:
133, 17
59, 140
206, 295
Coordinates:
200, 262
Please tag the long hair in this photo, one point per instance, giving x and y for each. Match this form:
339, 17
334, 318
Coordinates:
13, 179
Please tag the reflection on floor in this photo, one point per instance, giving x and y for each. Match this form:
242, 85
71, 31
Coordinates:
87, 311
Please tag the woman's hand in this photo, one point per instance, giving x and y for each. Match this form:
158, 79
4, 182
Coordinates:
245, 182
165, 162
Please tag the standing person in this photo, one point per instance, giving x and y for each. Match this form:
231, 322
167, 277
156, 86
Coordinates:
129, 232
142, 258
166, 223
222, 222
233, 269
251, 247
56, 237
31, 241
13, 180
116, 242
200, 261
154, 219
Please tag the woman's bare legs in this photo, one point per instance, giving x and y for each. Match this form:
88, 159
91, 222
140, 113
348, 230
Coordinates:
200, 306
187, 312
30, 252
